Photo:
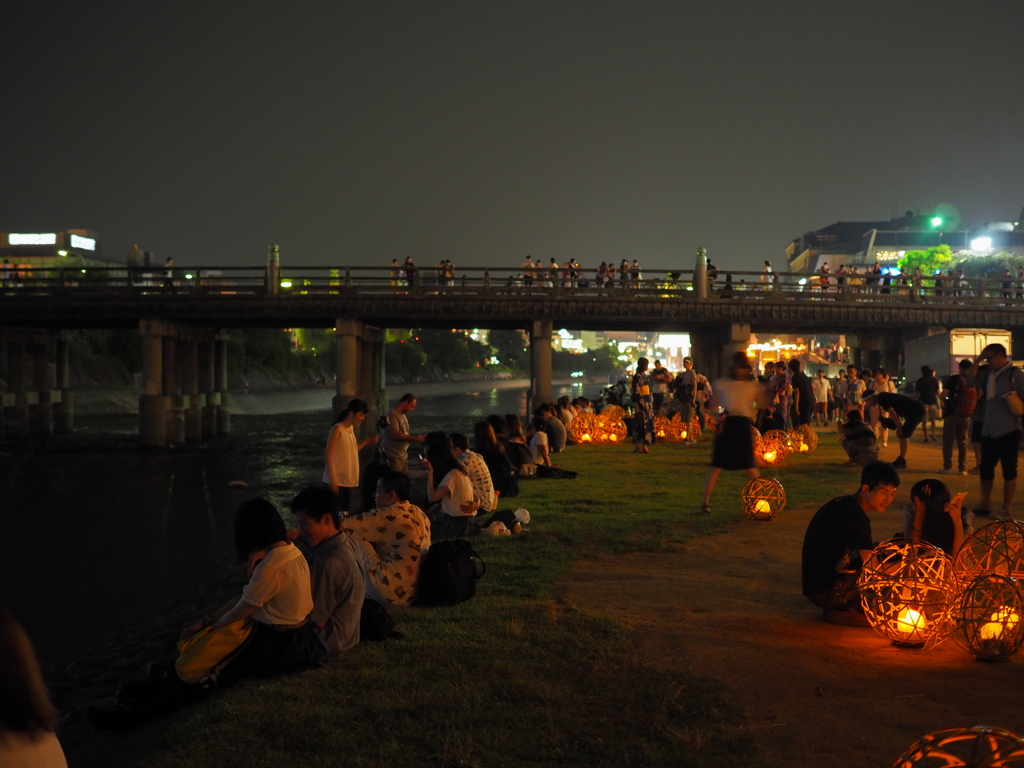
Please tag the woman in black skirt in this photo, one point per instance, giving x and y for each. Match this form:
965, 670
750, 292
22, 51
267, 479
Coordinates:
740, 396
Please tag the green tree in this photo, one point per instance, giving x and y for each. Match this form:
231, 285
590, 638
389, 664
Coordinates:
510, 349
929, 261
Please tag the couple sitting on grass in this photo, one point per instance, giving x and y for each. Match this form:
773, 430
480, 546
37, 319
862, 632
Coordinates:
298, 606
838, 539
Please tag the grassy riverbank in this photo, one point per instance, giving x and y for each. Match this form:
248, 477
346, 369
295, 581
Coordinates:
514, 677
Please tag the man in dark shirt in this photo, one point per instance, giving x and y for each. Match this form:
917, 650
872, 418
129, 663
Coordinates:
838, 542
927, 388
956, 418
904, 414
803, 394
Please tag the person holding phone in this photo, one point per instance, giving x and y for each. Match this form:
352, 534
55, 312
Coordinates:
935, 518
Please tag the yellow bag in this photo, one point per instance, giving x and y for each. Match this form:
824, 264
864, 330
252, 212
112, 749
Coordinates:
207, 651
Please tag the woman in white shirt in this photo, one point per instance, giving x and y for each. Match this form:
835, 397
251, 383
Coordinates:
341, 458
27, 718
739, 396
448, 485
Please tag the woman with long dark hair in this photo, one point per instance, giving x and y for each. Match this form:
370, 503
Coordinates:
932, 516
643, 408
739, 397
503, 474
27, 718
341, 457
447, 484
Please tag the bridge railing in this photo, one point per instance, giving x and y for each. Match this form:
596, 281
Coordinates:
500, 281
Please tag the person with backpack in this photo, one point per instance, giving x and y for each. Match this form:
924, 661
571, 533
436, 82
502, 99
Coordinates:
959, 398
1000, 385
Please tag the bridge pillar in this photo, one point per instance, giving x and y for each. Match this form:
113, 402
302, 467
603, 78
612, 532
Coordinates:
372, 386
540, 361
171, 375
41, 409
349, 334
211, 398
152, 403
64, 415
220, 381
16, 410
190, 388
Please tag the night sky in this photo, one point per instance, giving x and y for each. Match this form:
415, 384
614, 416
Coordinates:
354, 133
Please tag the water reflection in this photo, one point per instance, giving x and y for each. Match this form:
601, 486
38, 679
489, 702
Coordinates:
99, 534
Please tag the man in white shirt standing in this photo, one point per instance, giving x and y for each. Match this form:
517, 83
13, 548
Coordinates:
820, 387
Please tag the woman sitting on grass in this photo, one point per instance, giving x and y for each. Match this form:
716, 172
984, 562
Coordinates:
262, 633
449, 488
936, 519
27, 718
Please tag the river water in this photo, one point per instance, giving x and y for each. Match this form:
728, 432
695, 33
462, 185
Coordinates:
99, 534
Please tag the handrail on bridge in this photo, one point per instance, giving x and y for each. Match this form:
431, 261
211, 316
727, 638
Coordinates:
499, 281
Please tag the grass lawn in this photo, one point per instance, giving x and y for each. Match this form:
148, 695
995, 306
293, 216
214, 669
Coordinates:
511, 678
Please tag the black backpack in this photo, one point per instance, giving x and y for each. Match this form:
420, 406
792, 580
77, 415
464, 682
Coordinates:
449, 573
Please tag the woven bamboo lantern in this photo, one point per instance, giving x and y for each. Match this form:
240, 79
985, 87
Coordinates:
770, 451
668, 430
680, 427
905, 591
763, 498
610, 428
994, 548
582, 428
808, 439
694, 428
978, 747
987, 617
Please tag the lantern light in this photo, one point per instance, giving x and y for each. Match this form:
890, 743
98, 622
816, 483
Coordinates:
981, 746
986, 617
994, 548
905, 590
763, 498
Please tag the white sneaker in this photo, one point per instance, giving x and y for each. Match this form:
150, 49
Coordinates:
1002, 514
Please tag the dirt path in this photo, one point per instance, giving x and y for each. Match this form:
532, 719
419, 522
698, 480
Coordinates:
814, 694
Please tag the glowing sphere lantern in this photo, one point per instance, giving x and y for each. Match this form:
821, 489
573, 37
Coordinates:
694, 428
582, 428
987, 615
666, 430
994, 548
808, 439
905, 589
763, 498
610, 428
770, 451
978, 747
784, 438
680, 428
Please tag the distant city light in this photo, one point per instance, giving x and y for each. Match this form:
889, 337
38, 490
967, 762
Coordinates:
981, 243
48, 238
286, 283
936, 221
85, 243
62, 253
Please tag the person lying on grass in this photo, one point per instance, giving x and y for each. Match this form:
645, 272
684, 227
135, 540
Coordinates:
838, 542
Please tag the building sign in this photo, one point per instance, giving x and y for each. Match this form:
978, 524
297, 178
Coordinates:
889, 255
85, 243
48, 238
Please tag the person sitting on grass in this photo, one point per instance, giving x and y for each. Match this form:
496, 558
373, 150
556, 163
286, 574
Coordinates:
449, 490
838, 542
337, 581
539, 442
262, 633
393, 540
858, 440
476, 468
935, 518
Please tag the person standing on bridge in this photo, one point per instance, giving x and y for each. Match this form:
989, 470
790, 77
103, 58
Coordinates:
395, 437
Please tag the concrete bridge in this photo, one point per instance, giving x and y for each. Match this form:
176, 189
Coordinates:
183, 318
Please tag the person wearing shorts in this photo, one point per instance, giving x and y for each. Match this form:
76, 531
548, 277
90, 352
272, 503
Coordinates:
1000, 430
905, 412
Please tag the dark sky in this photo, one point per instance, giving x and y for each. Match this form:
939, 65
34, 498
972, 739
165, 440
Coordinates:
354, 132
